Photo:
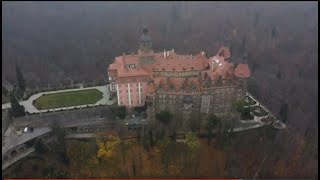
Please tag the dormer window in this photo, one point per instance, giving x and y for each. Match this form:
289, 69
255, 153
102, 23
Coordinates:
130, 66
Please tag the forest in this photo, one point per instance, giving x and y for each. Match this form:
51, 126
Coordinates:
57, 42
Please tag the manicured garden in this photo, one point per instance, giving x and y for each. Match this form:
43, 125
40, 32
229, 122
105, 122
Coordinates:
258, 111
249, 102
245, 115
66, 99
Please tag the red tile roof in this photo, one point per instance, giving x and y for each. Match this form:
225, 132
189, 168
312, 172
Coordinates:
242, 71
213, 66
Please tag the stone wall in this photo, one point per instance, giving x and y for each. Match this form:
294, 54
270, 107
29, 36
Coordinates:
66, 118
6, 121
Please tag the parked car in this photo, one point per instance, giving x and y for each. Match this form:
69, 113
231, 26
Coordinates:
28, 130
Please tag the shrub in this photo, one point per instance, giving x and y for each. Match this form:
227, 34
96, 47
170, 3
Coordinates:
119, 111
246, 114
140, 109
35, 167
40, 147
164, 116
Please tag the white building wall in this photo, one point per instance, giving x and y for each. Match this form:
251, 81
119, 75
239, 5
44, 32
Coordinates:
118, 94
139, 86
129, 94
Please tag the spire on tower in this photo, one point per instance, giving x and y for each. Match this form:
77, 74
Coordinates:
245, 58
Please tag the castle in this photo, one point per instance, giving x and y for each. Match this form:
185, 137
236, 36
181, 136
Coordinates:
189, 86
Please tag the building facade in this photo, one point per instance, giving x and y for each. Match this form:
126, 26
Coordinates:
189, 86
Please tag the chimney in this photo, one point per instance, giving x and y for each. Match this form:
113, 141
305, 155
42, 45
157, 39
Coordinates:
172, 50
202, 53
164, 54
168, 53
190, 56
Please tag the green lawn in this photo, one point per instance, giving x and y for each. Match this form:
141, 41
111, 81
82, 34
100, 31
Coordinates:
66, 99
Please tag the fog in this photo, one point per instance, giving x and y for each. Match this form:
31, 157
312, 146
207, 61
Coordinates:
58, 41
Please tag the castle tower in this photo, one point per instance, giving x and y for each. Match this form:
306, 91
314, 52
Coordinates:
226, 40
145, 44
242, 70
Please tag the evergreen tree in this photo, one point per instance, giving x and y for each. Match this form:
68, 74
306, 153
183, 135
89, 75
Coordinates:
16, 109
284, 112
119, 111
4, 91
239, 106
21, 81
212, 123
40, 147
164, 117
